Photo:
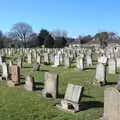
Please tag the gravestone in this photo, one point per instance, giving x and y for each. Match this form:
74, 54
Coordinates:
38, 59
29, 83
89, 60
72, 98
36, 66
5, 71
80, 63
52, 59
100, 74
67, 61
118, 62
112, 66
50, 85
19, 62
29, 59
15, 74
57, 61
46, 58
111, 104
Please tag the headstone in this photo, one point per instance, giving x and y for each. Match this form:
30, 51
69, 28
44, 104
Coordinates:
112, 66
46, 58
80, 63
50, 85
72, 98
29, 59
111, 104
29, 83
19, 62
101, 73
5, 71
38, 59
118, 62
67, 61
57, 61
15, 74
89, 60
36, 66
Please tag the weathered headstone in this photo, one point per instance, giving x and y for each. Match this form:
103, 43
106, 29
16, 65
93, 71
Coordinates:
112, 66
80, 63
89, 60
29, 83
111, 104
72, 98
100, 73
15, 74
118, 62
5, 71
29, 59
50, 85
36, 66
57, 61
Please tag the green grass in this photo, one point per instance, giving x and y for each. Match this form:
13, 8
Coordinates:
18, 104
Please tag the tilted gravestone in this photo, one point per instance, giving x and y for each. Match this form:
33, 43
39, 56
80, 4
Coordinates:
72, 98
50, 85
29, 83
111, 104
15, 74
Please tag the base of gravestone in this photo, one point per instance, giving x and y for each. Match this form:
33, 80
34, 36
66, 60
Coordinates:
68, 106
10, 83
99, 84
29, 89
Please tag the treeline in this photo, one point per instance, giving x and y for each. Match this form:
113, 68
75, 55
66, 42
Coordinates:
22, 35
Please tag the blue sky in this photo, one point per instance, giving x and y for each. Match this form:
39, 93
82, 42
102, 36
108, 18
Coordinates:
77, 17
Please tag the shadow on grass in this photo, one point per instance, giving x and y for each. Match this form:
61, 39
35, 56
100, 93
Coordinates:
90, 104
39, 86
27, 67
22, 77
118, 73
44, 71
61, 96
89, 68
87, 96
39, 83
111, 83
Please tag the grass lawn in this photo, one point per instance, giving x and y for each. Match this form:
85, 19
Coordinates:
18, 104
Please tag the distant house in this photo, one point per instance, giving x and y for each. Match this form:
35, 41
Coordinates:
75, 43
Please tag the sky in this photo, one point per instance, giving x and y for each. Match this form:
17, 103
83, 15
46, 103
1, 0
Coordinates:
77, 17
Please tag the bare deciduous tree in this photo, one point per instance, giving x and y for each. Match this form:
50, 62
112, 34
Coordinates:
21, 31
